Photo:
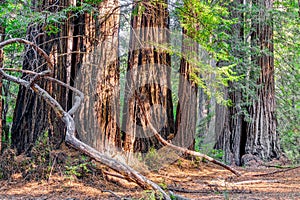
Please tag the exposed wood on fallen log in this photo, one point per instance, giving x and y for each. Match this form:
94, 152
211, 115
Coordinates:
114, 175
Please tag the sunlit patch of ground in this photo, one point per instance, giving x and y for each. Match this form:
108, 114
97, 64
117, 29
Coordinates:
190, 179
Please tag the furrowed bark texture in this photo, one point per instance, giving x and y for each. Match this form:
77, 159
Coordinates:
230, 124
262, 138
98, 78
32, 116
186, 115
2, 30
85, 50
148, 78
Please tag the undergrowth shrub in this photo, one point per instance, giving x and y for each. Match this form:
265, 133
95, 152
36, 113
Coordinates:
43, 161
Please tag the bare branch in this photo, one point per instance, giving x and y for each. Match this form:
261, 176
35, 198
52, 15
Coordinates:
37, 48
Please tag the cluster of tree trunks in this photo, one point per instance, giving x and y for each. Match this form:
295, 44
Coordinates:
85, 50
85, 55
257, 135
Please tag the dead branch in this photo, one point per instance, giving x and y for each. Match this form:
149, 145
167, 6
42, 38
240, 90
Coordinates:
114, 175
255, 182
278, 171
70, 138
182, 149
37, 48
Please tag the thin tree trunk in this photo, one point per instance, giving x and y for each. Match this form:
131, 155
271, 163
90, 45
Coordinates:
148, 78
2, 30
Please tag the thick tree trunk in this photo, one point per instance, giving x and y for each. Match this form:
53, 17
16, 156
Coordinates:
186, 115
262, 138
32, 116
231, 128
98, 119
148, 78
85, 50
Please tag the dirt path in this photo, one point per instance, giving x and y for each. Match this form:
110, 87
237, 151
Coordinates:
186, 178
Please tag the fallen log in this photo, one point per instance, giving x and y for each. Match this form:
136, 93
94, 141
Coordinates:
181, 149
128, 172
70, 138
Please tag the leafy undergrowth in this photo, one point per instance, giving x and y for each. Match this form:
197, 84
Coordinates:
67, 174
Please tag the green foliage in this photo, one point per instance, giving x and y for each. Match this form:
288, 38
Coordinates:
287, 65
15, 17
206, 24
152, 159
152, 195
208, 149
78, 167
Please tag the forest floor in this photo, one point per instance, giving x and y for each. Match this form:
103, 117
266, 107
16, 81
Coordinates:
189, 179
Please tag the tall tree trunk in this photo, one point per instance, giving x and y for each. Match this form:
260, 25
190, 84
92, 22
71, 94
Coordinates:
148, 84
32, 116
85, 50
186, 115
99, 79
230, 128
2, 30
262, 138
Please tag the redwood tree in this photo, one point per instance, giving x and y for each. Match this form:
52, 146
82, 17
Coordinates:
230, 125
82, 40
32, 116
254, 131
148, 87
98, 78
262, 138
186, 115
